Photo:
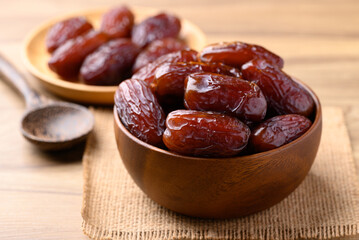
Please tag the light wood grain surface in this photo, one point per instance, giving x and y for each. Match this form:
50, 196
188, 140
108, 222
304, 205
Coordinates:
41, 193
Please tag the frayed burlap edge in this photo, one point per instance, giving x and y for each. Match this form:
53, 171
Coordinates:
268, 233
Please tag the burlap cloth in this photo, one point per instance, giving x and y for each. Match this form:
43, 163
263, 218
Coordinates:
325, 205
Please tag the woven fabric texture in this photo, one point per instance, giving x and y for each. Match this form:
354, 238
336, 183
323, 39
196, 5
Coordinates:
325, 205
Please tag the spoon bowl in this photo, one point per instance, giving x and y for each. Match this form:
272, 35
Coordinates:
57, 125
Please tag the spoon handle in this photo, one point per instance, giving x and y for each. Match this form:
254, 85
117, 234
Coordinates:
14, 78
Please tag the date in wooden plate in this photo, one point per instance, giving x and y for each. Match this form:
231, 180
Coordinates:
35, 56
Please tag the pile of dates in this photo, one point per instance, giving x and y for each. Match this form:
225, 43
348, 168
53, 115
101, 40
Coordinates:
228, 99
114, 52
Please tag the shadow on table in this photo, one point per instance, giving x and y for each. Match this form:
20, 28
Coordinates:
67, 156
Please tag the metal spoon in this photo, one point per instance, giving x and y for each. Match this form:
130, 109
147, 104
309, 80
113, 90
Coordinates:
49, 125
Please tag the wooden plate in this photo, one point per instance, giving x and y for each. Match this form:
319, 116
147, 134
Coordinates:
35, 57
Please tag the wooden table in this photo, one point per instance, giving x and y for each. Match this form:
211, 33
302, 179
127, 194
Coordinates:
41, 193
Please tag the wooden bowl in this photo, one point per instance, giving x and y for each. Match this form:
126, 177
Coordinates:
35, 56
219, 187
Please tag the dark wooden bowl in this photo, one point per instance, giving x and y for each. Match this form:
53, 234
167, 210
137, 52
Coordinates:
219, 187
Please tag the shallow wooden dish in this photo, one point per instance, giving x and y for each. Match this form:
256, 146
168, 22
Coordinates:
35, 57
219, 187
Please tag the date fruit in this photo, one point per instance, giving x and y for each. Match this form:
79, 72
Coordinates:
118, 22
147, 73
197, 133
66, 30
238, 53
157, 49
140, 111
170, 77
278, 131
68, 58
109, 64
281, 91
157, 27
220, 93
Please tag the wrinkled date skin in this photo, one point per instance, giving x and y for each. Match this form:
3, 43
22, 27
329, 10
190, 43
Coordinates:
170, 77
197, 133
238, 53
220, 93
118, 22
140, 111
147, 73
66, 30
157, 49
109, 64
157, 27
282, 92
278, 131
68, 58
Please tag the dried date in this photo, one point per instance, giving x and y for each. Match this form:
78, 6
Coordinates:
170, 77
118, 22
140, 111
68, 58
197, 133
220, 93
147, 73
66, 30
109, 64
157, 27
282, 93
278, 131
238, 53
157, 49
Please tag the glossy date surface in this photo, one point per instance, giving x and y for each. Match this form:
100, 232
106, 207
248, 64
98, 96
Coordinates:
68, 58
66, 30
157, 49
109, 64
283, 94
156, 27
170, 77
118, 22
140, 111
147, 73
238, 53
278, 131
198, 133
220, 93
